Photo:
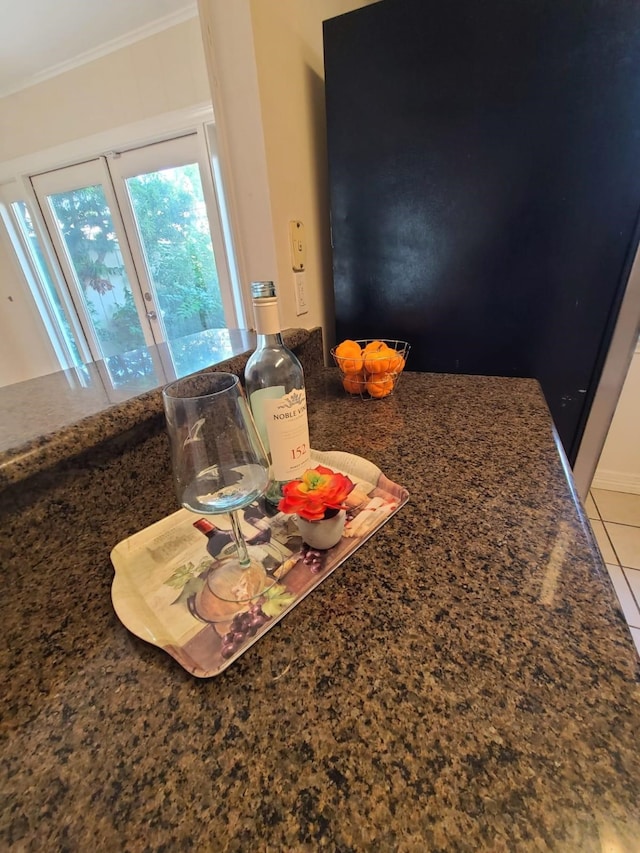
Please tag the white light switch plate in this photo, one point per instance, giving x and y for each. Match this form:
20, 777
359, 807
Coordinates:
301, 296
298, 245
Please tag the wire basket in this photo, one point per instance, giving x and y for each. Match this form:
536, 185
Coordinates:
373, 372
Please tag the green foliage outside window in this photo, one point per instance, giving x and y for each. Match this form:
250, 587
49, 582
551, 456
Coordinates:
178, 249
169, 211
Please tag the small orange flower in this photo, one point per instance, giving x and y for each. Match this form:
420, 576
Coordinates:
318, 490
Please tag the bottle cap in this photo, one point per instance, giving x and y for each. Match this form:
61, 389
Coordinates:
204, 526
262, 289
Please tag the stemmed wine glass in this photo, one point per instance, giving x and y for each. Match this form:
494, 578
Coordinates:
219, 466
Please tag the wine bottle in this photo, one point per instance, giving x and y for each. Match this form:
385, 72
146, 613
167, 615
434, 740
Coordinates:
274, 381
218, 539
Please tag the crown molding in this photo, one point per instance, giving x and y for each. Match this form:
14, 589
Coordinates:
140, 33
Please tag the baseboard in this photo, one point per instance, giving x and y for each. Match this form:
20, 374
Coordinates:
617, 481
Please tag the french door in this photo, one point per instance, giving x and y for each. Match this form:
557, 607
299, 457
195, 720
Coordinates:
138, 237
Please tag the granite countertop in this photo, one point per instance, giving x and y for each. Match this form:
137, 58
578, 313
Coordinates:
464, 681
52, 418
34, 409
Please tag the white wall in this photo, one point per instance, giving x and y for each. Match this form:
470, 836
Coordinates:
289, 58
228, 44
25, 350
270, 55
619, 463
158, 74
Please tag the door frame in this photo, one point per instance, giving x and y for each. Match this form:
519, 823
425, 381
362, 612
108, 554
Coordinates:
616, 366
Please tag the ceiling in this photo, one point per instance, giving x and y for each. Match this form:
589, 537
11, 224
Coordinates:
41, 38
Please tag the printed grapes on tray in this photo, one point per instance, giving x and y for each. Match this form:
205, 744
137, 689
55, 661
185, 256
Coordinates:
370, 369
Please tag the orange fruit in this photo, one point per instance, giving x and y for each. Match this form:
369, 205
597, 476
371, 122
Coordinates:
348, 347
353, 383
348, 356
377, 357
396, 362
380, 385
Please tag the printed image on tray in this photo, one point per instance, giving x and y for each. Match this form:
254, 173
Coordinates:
167, 590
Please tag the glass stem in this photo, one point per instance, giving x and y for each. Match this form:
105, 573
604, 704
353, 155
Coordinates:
241, 545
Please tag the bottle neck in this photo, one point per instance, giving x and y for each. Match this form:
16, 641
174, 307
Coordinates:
264, 341
205, 527
267, 320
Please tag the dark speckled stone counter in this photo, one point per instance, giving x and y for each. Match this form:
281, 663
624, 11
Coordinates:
464, 682
32, 411
51, 419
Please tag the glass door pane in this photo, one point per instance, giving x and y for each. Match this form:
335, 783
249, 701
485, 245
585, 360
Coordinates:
82, 216
173, 228
140, 244
85, 225
169, 206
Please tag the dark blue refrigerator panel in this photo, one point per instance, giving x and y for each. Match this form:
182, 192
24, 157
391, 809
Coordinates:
484, 163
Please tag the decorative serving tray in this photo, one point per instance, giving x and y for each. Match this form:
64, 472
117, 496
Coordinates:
160, 591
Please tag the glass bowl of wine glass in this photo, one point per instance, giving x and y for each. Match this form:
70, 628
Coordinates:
219, 467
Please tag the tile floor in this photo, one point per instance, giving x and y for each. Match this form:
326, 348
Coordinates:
615, 519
